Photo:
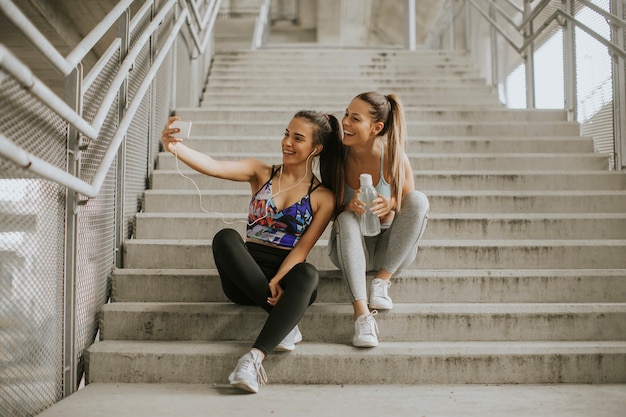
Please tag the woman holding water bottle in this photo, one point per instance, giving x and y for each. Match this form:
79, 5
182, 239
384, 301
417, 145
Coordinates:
375, 134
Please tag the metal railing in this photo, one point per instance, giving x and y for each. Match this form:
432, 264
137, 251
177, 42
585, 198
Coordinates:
472, 24
262, 25
73, 168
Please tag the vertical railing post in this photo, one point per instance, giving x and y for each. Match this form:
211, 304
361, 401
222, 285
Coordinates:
569, 63
529, 59
152, 117
410, 30
73, 97
123, 31
451, 28
467, 10
493, 37
619, 88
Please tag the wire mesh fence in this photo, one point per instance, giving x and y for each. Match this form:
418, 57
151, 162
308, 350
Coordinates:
55, 278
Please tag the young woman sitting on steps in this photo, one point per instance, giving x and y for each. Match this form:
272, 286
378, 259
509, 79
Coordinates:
289, 211
374, 134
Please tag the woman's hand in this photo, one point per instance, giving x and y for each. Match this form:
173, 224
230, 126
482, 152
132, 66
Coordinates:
167, 138
382, 206
276, 292
355, 205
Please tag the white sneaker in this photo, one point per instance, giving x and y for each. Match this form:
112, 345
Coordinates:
288, 344
365, 330
249, 373
379, 298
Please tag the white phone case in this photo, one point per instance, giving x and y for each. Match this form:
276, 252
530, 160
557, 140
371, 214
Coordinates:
185, 129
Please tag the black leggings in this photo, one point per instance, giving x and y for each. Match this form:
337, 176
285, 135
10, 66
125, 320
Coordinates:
245, 270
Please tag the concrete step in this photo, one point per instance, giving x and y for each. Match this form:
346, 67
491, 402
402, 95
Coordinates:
489, 201
295, 50
448, 88
334, 323
307, 58
283, 115
318, 58
331, 67
337, 102
414, 129
230, 80
433, 254
425, 180
447, 162
14, 220
369, 70
192, 400
516, 362
440, 226
410, 286
423, 144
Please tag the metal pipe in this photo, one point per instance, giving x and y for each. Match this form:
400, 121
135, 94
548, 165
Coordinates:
29, 30
25, 77
569, 65
619, 90
529, 59
127, 64
44, 169
14, 153
96, 34
612, 18
410, 29
111, 153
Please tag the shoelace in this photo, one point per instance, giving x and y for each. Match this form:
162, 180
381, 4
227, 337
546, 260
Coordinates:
257, 366
369, 325
380, 288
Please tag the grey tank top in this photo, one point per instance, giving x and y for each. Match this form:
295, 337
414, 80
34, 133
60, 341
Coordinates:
382, 187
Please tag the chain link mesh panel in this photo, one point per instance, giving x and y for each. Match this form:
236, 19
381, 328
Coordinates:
594, 81
32, 261
33, 231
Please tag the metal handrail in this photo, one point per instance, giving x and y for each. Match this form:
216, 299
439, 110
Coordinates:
28, 161
24, 75
260, 26
490, 12
554, 16
64, 64
207, 21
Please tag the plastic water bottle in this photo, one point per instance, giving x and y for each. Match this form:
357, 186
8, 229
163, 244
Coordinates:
370, 223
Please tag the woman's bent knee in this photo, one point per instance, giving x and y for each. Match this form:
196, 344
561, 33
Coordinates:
417, 200
307, 275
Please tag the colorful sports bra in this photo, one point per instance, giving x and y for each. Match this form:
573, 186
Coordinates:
382, 187
282, 228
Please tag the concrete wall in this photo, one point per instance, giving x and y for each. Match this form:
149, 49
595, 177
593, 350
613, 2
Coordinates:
358, 22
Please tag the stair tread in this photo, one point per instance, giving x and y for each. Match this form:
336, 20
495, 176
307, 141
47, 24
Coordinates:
417, 273
383, 349
398, 308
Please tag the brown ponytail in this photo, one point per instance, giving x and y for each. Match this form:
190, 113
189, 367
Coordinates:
389, 110
329, 134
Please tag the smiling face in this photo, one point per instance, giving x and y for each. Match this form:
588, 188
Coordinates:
297, 143
358, 125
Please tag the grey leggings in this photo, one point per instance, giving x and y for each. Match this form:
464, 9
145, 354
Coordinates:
392, 250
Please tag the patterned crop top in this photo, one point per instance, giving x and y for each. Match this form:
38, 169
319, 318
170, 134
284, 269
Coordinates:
282, 228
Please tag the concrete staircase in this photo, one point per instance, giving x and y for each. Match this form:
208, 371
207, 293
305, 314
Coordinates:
520, 277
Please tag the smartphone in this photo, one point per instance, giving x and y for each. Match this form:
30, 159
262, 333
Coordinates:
185, 129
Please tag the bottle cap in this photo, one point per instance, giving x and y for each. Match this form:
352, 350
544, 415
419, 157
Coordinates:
365, 179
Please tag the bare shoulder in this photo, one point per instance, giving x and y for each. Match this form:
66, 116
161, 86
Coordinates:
323, 196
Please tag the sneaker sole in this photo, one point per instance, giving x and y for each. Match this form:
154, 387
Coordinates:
380, 307
285, 348
245, 386
364, 344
